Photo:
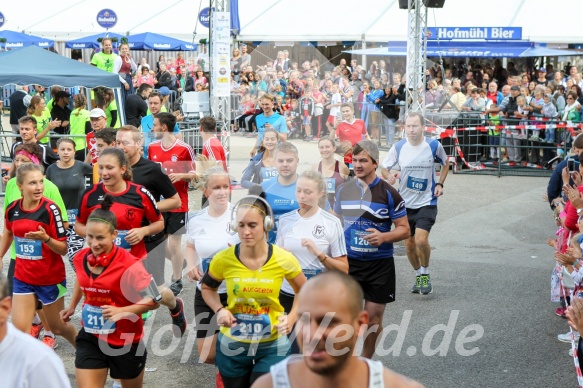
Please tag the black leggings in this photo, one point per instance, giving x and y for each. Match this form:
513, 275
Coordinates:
241, 382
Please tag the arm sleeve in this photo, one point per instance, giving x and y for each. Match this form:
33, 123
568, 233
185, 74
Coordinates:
163, 184
291, 265
117, 62
57, 228
397, 207
556, 182
151, 209
113, 117
83, 209
248, 174
571, 218
391, 159
216, 266
338, 242
88, 127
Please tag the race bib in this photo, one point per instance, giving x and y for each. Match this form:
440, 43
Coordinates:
252, 326
417, 184
268, 173
93, 321
310, 273
330, 185
120, 240
72, 215
28, 249
205, 264
358, 243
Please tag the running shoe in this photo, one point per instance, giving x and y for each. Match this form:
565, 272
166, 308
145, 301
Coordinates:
417, 286
567, 337
50, 342
426, 287
179, 320
561, 312
35, 330
176, 287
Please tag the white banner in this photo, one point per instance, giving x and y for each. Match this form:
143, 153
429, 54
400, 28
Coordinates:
221, 56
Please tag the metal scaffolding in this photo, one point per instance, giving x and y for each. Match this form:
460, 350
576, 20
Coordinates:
416, 57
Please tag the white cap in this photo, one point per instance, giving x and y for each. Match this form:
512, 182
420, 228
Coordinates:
96, 113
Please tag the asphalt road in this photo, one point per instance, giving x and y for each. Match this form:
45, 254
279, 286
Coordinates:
489, 322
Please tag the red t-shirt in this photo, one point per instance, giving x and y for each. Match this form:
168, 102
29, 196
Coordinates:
118, 285
134, 207
353, 132
36, 263
177, 159
213, 149
90, 138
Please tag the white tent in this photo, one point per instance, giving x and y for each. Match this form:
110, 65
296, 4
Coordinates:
382, 20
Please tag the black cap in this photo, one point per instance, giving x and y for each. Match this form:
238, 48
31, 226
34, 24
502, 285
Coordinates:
61, 94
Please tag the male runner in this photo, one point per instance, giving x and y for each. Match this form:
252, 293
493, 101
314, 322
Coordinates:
419, 187
27, 128
269, 118
155, 106
368, 207
336, 295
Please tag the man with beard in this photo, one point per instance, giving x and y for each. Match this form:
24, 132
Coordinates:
334, 295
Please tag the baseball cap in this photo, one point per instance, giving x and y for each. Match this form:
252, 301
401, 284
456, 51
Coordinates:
96, 113
517, 88
61, 94
542, 69
370, 148
164, 91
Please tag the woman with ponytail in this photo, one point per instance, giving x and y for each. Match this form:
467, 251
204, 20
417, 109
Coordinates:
35, 224
110, 338
80, 125
137, 217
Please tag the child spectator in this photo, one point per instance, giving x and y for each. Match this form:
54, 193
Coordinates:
549, 110
494, 133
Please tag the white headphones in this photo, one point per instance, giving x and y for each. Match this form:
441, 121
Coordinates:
268, 223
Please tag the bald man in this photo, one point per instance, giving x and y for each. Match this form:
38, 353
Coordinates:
319, 331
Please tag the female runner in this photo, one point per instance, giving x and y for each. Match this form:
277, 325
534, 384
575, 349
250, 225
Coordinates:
36, 226
134, 207
207, 234
70, 176
254, 319
116, 289
262, 165
334, 172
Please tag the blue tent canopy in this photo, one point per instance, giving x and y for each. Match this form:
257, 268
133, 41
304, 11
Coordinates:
151, 41
21, 67
470, 49
18, 39
90, 42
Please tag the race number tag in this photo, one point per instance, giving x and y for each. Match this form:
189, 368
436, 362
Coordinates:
251, 326
93, 321
268, 173
417, 184
72, 215
120, 240
28, 249
358, 243
330, 185
310, 273
205, 264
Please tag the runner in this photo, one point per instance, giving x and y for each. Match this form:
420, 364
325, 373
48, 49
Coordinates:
137, 217
262, 165
31, 153
368, 207
155, 106
27, 127
212, 148
314, 236
177, 160
35, 224
24, 362
350, 130
116, 289
208, 233
71, 177
254, 319
334, 172
337, 293
420, 189
269, 119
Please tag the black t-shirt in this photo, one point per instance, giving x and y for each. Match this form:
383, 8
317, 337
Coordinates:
49, 156
71, 182
136, 108
63, 114
150, 175
17, 108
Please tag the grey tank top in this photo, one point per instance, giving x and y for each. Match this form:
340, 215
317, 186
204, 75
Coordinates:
281, 378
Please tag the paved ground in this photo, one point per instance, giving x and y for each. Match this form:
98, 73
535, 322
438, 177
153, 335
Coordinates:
491, 275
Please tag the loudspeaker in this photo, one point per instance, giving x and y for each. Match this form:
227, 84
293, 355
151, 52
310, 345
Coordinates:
404, 4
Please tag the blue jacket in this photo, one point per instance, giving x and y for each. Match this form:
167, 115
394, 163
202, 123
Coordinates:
372, 97
252, 173
555, 187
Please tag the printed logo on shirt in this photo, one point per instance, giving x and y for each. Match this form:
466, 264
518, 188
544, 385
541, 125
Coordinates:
130, 214
202, 232
318, 231
145, 191
174, 158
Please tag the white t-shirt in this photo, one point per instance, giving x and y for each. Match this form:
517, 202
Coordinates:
210, 235
417, 183
336, 99
322, 228
27, 362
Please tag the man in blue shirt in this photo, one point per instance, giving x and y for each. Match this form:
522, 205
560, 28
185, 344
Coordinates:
155, 106
269, 119
374, 116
